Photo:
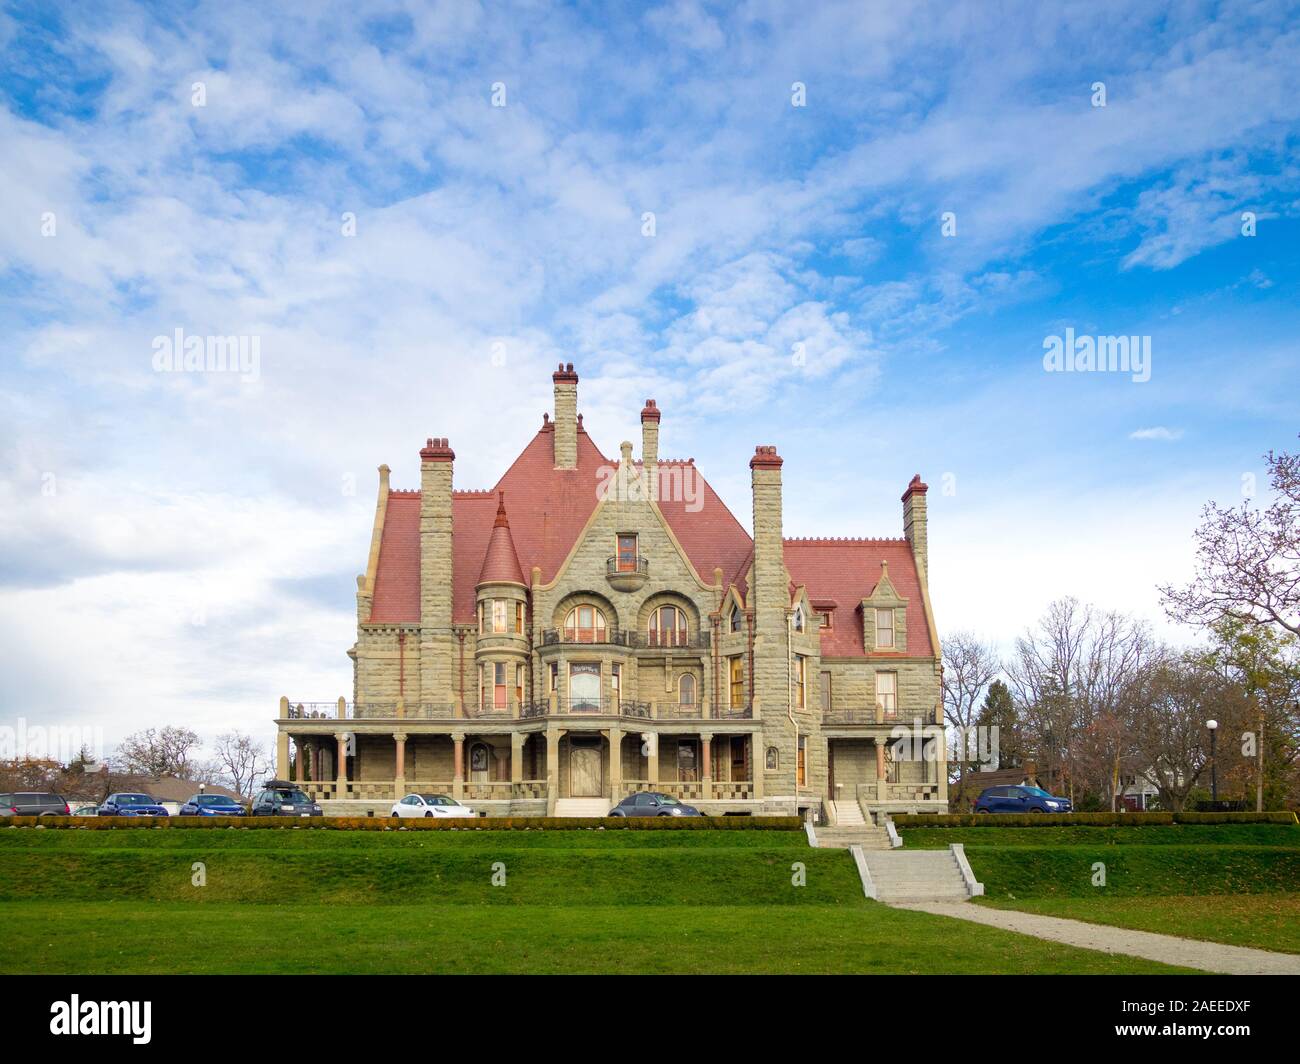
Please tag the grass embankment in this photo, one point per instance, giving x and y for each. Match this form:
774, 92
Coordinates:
582, 901
1232, 883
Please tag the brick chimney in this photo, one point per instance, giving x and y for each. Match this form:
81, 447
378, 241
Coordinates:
436, 678
914, 523
566, 417
650, 447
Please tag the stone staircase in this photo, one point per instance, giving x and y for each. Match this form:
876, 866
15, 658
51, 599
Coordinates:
847, 814
842, 836
589, 807
916, 875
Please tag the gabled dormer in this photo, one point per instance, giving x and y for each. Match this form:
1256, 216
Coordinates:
884, 617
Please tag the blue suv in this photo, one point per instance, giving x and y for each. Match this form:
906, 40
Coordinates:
1020, 800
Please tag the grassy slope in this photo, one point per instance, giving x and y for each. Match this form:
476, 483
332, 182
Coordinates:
407, 902
1233, 883
1264, 921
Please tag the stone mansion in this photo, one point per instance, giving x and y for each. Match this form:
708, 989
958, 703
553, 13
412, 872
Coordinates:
592, 627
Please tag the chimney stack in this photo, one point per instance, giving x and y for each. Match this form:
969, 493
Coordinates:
914, 523
436, 459
566, 417
650, 448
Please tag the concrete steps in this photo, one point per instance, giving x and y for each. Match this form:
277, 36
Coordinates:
847, 814
841, 837
916, 875
589, 807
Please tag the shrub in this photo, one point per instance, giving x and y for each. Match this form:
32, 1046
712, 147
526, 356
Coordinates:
1056, 820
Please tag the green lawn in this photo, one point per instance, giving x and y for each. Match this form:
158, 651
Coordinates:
1232, 883
131, 937
1264, 921
581, 901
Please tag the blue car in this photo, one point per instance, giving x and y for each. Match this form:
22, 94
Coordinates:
1020, 800
211, 805
126, 804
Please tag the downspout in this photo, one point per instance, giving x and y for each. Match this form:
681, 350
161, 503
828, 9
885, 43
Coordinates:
789, 701
402, 666
460, 682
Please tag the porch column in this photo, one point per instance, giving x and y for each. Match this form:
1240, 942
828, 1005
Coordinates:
282, 755
458, 770
651, 739
300, 762
881, 786
315, 761
399, 765
552, 768
341, 782
706, 763
517, 740
757, 761
615, 764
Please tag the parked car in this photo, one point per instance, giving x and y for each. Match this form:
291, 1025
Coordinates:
86, 810
281, 798
211, 805
1020, 800
33, 803
131, 804
430, 805
652, 803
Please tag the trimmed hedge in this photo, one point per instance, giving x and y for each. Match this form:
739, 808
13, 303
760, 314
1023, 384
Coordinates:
363, 823
1109, 820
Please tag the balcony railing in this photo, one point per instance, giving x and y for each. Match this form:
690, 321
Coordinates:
622, 637
859, 715
614, 566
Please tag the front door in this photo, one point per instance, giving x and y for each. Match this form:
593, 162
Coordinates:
585, 776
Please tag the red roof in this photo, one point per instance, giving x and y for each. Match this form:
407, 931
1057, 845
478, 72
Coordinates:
500, 562
847, 570
549, 507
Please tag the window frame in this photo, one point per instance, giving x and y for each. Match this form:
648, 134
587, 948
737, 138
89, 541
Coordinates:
626, 557
890, 628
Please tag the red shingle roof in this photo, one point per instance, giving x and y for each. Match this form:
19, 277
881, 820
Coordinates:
847, 571
549, 507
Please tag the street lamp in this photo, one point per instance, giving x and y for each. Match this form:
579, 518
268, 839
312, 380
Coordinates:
1213, 725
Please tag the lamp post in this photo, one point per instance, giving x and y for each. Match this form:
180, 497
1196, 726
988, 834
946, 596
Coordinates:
1213, 725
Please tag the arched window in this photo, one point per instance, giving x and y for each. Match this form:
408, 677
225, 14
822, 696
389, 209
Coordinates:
735, 618
773, 759
686, 689
668, 627
585, 624
798, 618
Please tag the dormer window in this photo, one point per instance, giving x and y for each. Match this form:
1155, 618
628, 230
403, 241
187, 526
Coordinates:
825, 620
735, 618
798, 618
884, 629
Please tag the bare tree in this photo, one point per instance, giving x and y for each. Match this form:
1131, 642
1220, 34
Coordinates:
241, 762
1177, 696
1247, 559
1073, 677
159, 752
969, 666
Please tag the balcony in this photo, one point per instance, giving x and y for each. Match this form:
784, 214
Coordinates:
627, 574
620, 637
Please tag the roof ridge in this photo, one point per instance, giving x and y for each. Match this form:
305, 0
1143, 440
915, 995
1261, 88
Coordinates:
845, 539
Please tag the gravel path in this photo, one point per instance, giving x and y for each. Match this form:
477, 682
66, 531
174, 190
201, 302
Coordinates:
1183, 952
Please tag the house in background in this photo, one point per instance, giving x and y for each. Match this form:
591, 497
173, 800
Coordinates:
591, 627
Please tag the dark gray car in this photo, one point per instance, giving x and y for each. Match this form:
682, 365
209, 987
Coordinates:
33, 803
281, 798
653, 803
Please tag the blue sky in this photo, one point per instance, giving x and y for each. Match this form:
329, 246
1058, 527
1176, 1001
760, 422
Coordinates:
182, 547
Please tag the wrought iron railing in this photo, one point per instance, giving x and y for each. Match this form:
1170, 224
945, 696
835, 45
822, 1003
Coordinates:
614, 566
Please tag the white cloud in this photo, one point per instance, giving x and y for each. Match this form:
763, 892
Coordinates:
1156, 432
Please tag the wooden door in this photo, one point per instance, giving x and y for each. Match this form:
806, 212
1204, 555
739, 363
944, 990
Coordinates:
585, 776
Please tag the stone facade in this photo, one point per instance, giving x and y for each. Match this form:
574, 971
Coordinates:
595, 627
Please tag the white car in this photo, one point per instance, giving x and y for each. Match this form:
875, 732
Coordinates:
430, 805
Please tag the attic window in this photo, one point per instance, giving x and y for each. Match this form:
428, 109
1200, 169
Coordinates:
798, 618
826, 620
735, 618
884, 629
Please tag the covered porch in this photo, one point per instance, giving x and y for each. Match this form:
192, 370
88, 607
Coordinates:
885, 773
